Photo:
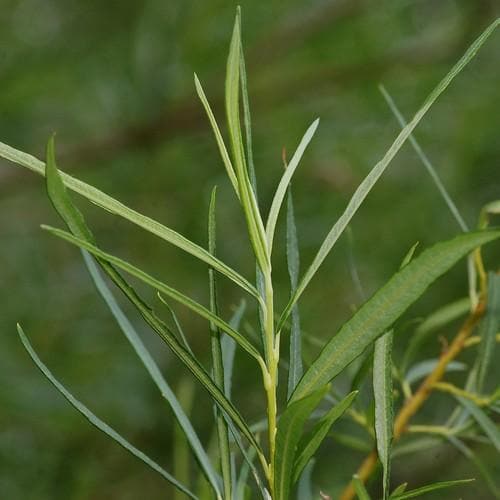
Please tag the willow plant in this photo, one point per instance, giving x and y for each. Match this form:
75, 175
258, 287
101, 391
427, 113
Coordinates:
293, 429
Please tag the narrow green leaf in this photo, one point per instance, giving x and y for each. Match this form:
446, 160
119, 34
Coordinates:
74, 220
490, 325
295, 369
94, 420
228, 346
431, 487
426, 162
425, 367
399, 489
248, 201
486, 424
359, 488
290, 426
311, 440
177, 323
436, 321
407, 258
218, 136
388, 303
217, 363
370, 180
133, 337
159, 286
115, 207
382, 390
279, 196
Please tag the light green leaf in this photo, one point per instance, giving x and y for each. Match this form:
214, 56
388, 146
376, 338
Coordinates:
96, 421
426, 162
311, 440
115, 207
159, 286
370, 180
217, 363
399, 489
295, 370
154, 372
490, 325
228, 346
218, 136
388, 303
248, 201
422, 369
279, 196
382, 390
486, 424
74, 220
431, 487
290, 426
359, 488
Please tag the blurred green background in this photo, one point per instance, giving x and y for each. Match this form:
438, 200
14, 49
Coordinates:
115, 81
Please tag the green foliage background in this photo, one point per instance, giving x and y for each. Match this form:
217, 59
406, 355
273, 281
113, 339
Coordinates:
114, 80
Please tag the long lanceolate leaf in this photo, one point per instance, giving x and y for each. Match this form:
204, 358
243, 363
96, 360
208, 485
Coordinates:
217, 363
72, 217
311, 440
290, 426
248, 201
96, 421
295, 369
370, 180
115, 207
154, 372
160, 287
382, 389
279, 196
489, 328
387, 304
430, 487
360, 489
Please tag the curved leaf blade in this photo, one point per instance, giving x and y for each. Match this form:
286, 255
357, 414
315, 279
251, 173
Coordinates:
370, 180
96, 421
310, 442
384, 308
288, 434
431, 487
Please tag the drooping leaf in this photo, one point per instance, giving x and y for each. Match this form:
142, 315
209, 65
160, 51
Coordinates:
486, 424
382, 390
290, 426
96, 421
154, 372
62, 203
359, 488
280, 193
218, 136
217, 363
115, 207
311, 440
490, 325
431, 487
386, 305
295, 369
157, 285
370, 180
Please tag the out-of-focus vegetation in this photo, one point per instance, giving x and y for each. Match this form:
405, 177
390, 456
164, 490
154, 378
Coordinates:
114, 80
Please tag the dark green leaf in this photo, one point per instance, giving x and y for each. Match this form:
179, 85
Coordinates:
385, 307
